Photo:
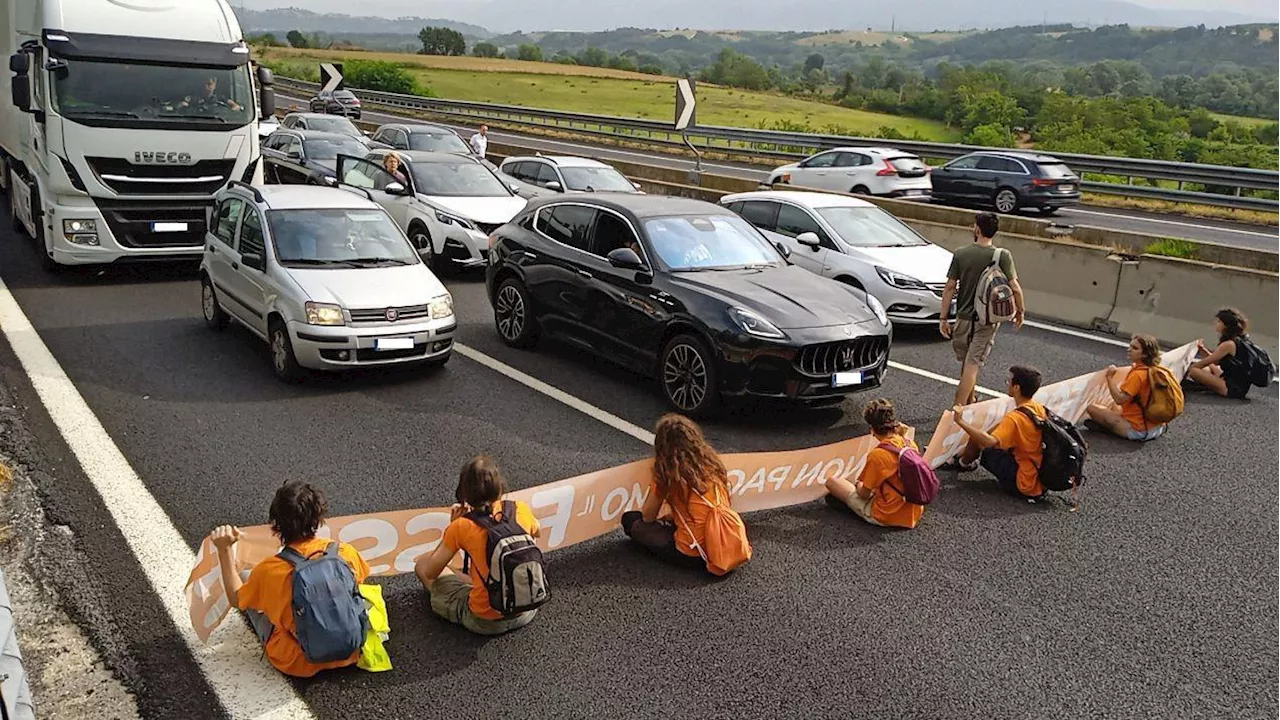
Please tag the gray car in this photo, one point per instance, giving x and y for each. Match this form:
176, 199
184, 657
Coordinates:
325, 277
548, 174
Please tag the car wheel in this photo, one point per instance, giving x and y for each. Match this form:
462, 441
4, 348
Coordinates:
688, 376
860, 190
283, 362
1006, 200
214, 316
422, 241
513, 316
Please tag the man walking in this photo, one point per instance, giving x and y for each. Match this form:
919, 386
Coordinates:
974, 333
480, 141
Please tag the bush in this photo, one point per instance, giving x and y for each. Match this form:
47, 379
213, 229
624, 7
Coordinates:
990, 136
379, 75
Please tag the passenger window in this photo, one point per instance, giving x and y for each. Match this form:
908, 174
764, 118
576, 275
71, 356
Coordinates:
964, 163
228, 215
821, 161
612, 233
763, 215
251, 238
849, 160
994, 163
793, 221
567, 224
546, 174
516, 170
364, 174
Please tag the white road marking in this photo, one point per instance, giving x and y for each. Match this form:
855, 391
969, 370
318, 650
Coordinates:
941, 378
1174, 222
246, 686
1077, 333
556, 394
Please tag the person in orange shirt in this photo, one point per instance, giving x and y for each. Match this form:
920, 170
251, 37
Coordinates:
1012, 450
688, 476
1130, 422
265, 594
464, 600
876, 496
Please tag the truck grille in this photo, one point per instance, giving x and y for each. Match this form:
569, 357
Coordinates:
132, 223
204, 177
379, 316
842, 356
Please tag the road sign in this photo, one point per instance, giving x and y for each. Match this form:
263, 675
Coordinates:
686, 104
330, 77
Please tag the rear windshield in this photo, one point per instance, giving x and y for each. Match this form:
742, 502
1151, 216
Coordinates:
345, 95
1056, 170
908, 164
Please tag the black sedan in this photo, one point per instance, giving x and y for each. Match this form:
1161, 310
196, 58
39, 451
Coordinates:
1007, 181
306, 157
685, 291
336, 102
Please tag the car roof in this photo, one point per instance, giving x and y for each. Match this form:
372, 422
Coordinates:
308, 134
800, 197
419, 128
1033, 157
640, 206
562, 160
427, 156
309, 197
304, 114
870, 150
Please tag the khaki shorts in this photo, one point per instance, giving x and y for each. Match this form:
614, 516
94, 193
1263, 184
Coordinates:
450, 599
972, 342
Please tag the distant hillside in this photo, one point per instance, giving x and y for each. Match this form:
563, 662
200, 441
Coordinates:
282, 20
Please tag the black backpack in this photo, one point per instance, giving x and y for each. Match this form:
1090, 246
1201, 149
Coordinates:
1064, 451
516, 580
1256, 362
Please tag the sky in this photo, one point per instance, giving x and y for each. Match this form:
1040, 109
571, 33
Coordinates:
1262, 8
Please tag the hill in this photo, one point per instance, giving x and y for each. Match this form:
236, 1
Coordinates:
282, 20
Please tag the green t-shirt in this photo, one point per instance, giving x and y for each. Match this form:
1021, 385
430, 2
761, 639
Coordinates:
967, 265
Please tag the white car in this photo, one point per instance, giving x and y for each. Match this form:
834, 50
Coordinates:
882, 171
855, 242
545, 174
325, 277
447, 204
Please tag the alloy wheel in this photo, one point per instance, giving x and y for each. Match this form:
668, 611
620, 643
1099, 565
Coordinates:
510, 312
1006, 201
684, 375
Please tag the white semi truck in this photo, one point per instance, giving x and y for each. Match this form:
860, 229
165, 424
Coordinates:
124, 117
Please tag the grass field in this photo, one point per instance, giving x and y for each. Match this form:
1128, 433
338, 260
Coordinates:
1246, 121
602, 91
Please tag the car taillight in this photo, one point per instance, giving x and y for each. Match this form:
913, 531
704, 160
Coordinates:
887, 170
1043, 182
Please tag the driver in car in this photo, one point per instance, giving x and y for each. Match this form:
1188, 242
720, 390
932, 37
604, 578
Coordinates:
208, 97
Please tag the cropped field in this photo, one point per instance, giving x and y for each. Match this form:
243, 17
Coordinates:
1246, 121
602, 91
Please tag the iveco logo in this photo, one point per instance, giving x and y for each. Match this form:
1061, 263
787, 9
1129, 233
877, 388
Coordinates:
146, 157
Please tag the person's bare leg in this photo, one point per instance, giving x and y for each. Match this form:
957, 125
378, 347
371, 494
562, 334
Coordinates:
970, 454
840, 489
1207, 378
1113, 421
966, 394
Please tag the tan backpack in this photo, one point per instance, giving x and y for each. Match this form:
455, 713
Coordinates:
1164, 396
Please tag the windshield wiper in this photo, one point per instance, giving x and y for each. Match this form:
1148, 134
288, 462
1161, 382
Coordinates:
104, 113
375, 260
314, 261
189, 116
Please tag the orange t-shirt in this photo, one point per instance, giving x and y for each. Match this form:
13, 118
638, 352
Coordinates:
1138, 386
692, 512
1016, 432
269, 590
880, 475
464, 534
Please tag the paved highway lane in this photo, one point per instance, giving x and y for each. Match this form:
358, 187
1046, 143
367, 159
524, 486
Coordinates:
1156, 600
1217, 231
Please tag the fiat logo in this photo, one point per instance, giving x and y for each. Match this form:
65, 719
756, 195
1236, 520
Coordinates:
392, 315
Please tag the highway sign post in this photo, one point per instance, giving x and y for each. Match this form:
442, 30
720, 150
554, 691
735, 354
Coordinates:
686, 117
330, 77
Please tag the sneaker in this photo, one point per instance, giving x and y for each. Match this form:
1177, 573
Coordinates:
954, 465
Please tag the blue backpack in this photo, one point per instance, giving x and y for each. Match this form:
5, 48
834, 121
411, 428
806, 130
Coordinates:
328, 609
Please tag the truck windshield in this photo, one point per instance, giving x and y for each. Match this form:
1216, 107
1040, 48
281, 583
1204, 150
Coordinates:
124, 95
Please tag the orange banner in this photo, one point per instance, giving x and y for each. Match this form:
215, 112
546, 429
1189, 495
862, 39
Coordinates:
570, 511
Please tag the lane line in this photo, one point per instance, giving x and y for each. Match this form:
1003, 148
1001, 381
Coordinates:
245, 685
1076, 333
941, 378
1180, 223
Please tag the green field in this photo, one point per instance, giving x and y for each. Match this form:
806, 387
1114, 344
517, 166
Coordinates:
1246, 121
589, 90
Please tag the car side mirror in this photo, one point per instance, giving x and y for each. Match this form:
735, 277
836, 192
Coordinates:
810, 239
294, 154
255, 261
554, 186
514, 188
395, 188
624, 258
635, 185
782, 248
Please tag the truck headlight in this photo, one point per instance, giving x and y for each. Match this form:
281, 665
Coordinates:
441, 307
80, 232
324, 314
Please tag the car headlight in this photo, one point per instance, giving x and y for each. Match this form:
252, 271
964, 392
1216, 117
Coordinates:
448, 219
878, 308
441, 307
898, 280
752, 324
324, 314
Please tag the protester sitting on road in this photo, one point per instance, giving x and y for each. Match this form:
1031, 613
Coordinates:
266, 594
703, 531
465, 600
878, 495
1222, 370
1012, 450
1131, 420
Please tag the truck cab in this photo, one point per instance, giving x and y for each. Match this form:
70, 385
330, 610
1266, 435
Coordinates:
123, 121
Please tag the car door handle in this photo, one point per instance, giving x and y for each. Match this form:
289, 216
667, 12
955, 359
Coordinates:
585, 274
235, 265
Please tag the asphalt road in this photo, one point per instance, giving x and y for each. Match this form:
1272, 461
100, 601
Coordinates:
1157, 600
1216, 231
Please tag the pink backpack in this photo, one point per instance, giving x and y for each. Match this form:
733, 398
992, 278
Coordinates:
919, 482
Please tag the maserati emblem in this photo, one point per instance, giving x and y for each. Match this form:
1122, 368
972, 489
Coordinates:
848, 331
392, 315
847, 356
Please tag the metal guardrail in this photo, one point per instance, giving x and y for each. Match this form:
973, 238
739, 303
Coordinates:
789, 146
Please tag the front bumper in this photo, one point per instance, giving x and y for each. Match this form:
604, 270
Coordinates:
912, 307
126, 231
466, 248
346, 346
803, 367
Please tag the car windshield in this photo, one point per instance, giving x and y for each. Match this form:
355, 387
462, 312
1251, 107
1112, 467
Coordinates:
460, 179
709, 242
869, 227
333, 123
345, 95
122, 94
338, 237
330, 148
438, 142
1055, 170
598, 179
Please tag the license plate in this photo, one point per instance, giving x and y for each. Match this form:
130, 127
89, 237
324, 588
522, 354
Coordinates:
167, 227
1067, 188
393, 344
912, 192
844, 379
